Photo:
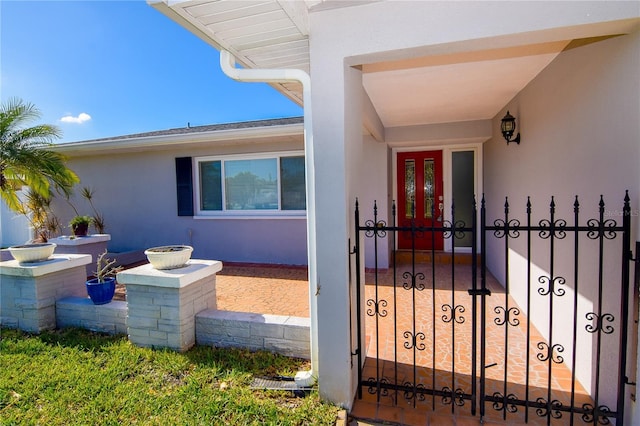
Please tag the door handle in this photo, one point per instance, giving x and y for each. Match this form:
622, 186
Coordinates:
441, 208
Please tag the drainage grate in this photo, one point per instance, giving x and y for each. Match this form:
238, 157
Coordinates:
279, 383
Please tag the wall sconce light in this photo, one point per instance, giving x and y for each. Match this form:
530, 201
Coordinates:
508, 127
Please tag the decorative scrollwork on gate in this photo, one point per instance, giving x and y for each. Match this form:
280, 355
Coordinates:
418, 228
411, 393
549, 408
555, 229
453, 313
605, 229
506, 228
374, 389
456, 397
505, 402
379, 228
599, 325
453, 229
602, 414
412, 341
508, 316
377, 308
550, 352
551, 285
415, 284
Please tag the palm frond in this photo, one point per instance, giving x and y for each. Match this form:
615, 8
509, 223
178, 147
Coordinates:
25, 159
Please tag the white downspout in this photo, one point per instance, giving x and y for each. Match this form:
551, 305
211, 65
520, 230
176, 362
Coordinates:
227, 63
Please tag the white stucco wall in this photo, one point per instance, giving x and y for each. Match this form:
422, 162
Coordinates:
136, 193
372, 188
14, 228
580, 136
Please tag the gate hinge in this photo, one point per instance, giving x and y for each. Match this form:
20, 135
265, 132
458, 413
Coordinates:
627, 382
479, 292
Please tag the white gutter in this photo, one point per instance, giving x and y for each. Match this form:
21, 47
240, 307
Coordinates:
227, 63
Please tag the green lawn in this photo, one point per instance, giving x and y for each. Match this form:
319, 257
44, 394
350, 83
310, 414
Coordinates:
78, 377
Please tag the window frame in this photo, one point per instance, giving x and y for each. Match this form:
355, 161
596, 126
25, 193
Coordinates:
199, 213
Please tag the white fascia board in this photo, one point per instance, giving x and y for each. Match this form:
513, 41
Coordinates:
134, 143
173, 10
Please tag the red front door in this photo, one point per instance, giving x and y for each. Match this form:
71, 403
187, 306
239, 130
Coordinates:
420, 198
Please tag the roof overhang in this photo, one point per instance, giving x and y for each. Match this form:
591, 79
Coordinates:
465, 81
266, 34
253, 135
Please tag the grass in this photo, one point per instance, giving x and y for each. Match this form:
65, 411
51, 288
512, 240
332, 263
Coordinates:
76, 377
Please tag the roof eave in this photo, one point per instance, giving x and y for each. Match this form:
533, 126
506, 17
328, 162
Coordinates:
163, 6
217, 136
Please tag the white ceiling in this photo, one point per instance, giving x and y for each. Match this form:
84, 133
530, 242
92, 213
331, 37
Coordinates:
451, 92
438, 89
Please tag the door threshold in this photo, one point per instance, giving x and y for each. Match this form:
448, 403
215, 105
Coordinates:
438, 257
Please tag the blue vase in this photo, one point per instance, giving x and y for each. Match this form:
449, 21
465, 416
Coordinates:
101, 293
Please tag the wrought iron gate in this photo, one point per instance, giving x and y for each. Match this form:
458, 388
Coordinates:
549, 343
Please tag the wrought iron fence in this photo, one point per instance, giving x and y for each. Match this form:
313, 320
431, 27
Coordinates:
558, 311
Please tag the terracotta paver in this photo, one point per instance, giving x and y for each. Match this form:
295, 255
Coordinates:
263, 289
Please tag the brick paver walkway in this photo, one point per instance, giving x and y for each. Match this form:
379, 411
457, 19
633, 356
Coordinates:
263, 289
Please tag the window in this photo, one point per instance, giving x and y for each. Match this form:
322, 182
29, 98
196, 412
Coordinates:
261, 185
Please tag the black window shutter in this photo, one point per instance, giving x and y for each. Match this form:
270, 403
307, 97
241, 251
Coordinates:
184, 186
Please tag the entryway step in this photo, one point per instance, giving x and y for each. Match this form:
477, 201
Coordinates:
441, 257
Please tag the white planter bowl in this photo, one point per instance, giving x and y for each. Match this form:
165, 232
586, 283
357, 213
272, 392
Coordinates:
32, 252
168, 257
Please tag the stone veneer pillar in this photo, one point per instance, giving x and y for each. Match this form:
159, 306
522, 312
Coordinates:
28, 291
162, 304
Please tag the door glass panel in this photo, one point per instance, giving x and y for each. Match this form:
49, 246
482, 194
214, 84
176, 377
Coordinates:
409, 186
429, 188
463, 191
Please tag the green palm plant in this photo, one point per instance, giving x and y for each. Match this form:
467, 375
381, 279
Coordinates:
98, 218
25, 158
37, 210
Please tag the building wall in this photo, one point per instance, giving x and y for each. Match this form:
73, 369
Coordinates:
372, 181
14, 228
379, 31
136, 192
580, 136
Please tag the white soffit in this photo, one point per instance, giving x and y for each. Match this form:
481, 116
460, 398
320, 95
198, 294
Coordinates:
259, 33
452, 88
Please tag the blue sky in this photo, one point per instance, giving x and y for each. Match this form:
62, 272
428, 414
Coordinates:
107, 68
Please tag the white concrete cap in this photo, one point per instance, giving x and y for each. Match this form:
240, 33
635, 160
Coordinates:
194, 270
78, 241
57, 262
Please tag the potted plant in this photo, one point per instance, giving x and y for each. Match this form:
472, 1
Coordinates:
98, 218
102, 288
32, 252
80, 225
169, 257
